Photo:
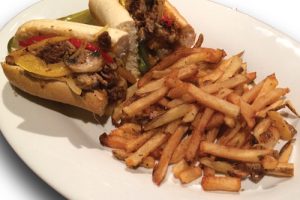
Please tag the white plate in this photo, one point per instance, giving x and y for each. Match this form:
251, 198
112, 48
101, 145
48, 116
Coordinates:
60, 143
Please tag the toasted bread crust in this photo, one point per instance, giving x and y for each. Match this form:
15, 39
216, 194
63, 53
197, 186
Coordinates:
188, 35
120, 39
95, 101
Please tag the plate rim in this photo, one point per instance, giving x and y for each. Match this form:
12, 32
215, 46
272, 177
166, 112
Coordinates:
8, 23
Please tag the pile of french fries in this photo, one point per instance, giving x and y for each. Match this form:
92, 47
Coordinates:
203, 114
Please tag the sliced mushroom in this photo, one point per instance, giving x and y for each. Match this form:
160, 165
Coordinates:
85, 62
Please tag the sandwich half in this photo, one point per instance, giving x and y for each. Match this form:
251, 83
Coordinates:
155, 27
72, 63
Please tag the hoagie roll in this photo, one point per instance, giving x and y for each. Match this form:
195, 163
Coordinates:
159, 27
69, 62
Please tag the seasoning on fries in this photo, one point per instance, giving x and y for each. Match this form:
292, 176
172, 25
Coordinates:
205, 115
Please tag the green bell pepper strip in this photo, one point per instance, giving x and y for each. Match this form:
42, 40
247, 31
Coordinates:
144, 65
80, 17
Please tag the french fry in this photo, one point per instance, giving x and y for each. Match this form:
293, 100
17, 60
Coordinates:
229, 83
174, 103
286, 151
180, 74
172, 126
187, 98
115, 142
238, 140
275, 106
124, 73
251, 94
151, 86
248, 113
217, 73
241, 55
176, 93
200, 111
270, 83
180, 93
281, 125
229, 121
166, 62
205, 55
234, 98
244, 66
158, 151
269, 98
163, 102
282, 170
180, 167
269, 138
148, 162
120, 154
197, 134
187, 72
227, 136
169, 116
144, 102
244, 155
261, 127
127, 131
213, 102
213, 183
190, 116
212, 134
131, 91
190, 174
207, 171
223, 167
117, 113
177, 75
292, 108
180, 150
199, 41
137, 157
156, 74
214, 75
223, 93
234, 66
239, 90
135, 144
216, 120
269, 162
160, 170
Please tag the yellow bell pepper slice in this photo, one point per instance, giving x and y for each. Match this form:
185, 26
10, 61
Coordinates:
122, 2
37, 66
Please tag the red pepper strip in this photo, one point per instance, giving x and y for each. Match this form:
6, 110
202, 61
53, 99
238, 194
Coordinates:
91, 47
32, 40
108, 59
167, 21
75, 42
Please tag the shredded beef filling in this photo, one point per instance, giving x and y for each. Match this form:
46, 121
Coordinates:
159, 37
116, 93
104, 41
54, 53
107, 79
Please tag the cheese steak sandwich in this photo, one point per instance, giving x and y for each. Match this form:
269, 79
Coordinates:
155, 28
68, 62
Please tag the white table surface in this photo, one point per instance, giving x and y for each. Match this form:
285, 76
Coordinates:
17, 181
